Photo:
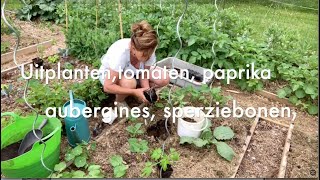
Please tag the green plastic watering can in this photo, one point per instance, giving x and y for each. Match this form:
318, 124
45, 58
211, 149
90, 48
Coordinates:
77, 126
28, 165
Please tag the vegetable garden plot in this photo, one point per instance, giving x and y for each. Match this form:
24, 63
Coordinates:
264, 153
193, 162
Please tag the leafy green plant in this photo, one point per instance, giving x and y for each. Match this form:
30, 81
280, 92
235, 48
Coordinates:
77, 158
90, 91
138, 146
44, 9
282, 53
40, 50
6, 121
190, 96
4, 47
42, 96
135, 130
132, 119
161, 159
119, 168
53, 59
68, 65
207, 138
6, 89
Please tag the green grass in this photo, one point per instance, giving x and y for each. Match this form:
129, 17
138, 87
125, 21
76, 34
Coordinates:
12, 5
264, 13
304, 22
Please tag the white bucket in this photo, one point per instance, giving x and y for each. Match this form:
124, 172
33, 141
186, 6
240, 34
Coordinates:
192, 129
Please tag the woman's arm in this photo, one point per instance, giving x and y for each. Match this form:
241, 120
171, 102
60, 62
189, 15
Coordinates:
144, 82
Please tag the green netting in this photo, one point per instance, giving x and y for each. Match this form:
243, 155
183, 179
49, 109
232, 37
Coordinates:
28, 165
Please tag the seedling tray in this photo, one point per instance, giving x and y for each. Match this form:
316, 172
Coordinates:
194, 70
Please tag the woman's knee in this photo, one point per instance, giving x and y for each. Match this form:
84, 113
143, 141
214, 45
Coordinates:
163, 81
128, 83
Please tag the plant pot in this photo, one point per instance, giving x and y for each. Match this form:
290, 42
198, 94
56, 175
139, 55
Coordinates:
192, 129
151, 95
28, 165
37, 62
165, 174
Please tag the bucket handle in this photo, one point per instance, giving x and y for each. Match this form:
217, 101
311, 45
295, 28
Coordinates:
51, 134
12, 114
71, 98
206, 119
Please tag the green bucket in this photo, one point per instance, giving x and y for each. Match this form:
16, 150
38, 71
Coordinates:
28, 165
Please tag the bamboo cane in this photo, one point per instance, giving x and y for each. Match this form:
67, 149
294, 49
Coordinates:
120, 19
97, 8
66, 10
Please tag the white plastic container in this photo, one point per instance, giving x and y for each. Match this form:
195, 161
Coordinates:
180, 64
192, 129
109, 117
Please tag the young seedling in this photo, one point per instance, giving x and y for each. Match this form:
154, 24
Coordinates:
135, 130
137, 146
77, 156
40, 50
119, 168
161, 159
53, 59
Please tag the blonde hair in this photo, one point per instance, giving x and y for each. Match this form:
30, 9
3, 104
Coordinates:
144, 37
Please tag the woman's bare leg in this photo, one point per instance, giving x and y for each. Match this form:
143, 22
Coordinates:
162, 81
126, 83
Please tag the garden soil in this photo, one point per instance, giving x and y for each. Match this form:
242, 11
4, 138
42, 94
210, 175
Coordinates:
33, 33
261, 160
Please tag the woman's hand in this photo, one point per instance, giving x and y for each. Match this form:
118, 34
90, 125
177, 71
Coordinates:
139, 94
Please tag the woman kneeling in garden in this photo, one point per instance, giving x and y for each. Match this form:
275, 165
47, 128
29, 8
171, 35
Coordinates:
132, 55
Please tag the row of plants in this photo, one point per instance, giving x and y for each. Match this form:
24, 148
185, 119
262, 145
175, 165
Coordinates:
42, 96
234, 48
281, 52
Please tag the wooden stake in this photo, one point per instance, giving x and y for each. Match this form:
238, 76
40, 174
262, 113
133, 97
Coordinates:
97, 6
66, 10
274, 97
247, 142
232, 91
120, 19
283, 164
275, 122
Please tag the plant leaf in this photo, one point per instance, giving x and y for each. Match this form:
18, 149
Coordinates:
186, 139
313, 110
199, 142
300, 93
147, 170
77, 150
156, 154
94, 167
78, 174
116, 160
120, 171
225, 150
60, 167
281, 93
223, 133
80, 161
69, 157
